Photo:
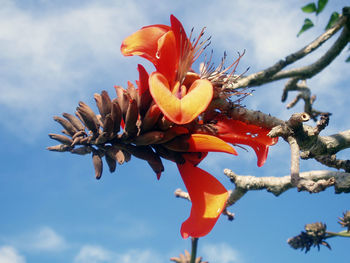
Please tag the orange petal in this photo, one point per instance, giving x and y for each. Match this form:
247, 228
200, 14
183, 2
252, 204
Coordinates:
208, 143
208, 197
144, 42
180, 110
238, 132
168, 59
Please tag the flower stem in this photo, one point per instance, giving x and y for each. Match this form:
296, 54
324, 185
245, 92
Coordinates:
194, 249
341, 234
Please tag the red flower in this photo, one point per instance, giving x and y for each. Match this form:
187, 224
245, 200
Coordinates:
171, 115
181, 95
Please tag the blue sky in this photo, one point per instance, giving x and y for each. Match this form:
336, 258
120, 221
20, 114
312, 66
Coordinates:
56, 53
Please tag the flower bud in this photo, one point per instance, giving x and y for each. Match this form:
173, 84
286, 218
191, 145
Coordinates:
88, 116
81, 150
97, 162
146, 153
74, 121
66, 125
59, 148
122, 99
108, 124
106, 104
127, 155
131, 118
112, 164
61, 138
345, 220
116, 115
151, 117
152, 137
98, 100
120, 157
132, 91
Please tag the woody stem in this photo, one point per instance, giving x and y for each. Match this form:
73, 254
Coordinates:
194, 249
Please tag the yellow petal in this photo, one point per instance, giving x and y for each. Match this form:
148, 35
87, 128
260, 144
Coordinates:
180, 110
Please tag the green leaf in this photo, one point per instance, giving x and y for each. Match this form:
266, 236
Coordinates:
321, 5
348, 59
307, 25
309, 8
332, 20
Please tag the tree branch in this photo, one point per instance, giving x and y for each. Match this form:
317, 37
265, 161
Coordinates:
313, 182
316, 67
274, 72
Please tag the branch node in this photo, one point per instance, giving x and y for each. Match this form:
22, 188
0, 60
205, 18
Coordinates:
322, 123
297, 119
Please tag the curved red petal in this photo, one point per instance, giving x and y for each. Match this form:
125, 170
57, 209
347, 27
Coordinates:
182, 42
208, 143
208, 197
144, 42
144, 98
195, 157
238, 132
168, 59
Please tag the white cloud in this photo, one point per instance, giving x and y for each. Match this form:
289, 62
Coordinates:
266, 29
97, 254
49, 58
9, 254
93, 254
139, 256
44, 239
219, 253
135, 230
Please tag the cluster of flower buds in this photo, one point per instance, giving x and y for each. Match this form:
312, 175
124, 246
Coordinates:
125, 126
345, 220
313, 236
186, 258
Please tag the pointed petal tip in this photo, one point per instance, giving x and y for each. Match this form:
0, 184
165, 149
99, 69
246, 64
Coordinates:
208, 198
209, 143
184, 234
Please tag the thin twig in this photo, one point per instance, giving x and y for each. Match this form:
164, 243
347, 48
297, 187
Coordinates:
294, 160
332, 161
269, 74
316, 67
